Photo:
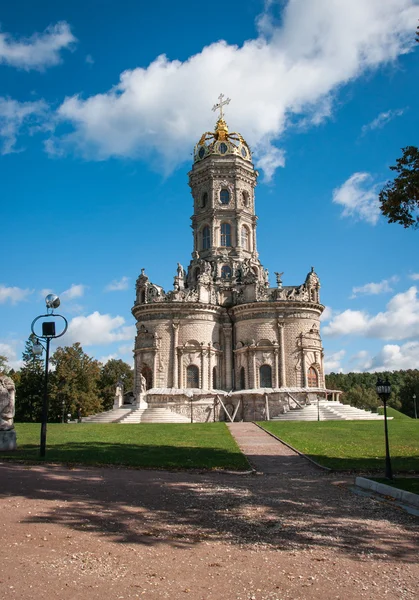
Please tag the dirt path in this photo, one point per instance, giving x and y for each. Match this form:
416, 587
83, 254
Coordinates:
97, 533
267, 455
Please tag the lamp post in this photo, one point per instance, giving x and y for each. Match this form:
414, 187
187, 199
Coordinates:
383, 389
48, 333
414, 404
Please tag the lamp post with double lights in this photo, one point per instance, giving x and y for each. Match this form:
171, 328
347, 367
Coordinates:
48, 333
414, 405
383, 389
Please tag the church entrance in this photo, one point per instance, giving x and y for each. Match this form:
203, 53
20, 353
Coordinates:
148, 376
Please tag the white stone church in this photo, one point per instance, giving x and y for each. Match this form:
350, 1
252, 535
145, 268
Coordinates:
224, 344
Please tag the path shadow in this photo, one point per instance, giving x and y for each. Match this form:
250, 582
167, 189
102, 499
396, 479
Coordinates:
181, 509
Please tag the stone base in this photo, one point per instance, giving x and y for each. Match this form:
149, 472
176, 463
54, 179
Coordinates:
8, 440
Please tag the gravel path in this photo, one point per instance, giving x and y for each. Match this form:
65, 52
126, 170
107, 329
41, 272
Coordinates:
90, 533
267, 455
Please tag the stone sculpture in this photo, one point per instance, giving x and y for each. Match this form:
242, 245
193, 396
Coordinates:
7, 403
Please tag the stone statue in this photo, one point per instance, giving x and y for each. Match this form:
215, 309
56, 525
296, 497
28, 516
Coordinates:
180, 271
279, 279
143, 384
7, 403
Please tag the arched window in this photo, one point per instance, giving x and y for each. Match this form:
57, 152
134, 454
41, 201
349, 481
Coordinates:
142, 297
204, 200
225, 235
224, 196
312, 377
206, 238
148, 376
242, 379
225, 272
192, 376
245, 238
214, 378
265, 376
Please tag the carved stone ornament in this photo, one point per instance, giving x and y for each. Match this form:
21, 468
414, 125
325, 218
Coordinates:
7, 403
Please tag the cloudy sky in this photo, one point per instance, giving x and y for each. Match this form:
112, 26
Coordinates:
101, 103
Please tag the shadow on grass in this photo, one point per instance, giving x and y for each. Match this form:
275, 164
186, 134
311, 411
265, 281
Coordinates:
183, 509
400, 464
133, 455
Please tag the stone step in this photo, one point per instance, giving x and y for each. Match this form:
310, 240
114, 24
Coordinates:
328, 411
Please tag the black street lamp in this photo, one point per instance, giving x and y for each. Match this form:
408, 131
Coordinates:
48, 333
384, 390
414, 404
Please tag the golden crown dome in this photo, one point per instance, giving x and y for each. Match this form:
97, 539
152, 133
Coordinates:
221, 142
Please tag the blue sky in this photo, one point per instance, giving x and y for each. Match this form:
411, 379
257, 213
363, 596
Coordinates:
101, 103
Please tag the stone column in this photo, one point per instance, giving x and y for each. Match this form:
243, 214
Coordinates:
281, 326
277, 382
180, 367
254, 379
175, 380
210, 384
228, 356
203, 382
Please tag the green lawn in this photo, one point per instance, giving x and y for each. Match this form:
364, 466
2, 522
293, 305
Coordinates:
166, 446
409, 484
353, 445
392, 412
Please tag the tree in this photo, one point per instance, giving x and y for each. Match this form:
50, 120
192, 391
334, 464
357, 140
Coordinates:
29, 385
74, 383
110, 373
399, 199
361, 397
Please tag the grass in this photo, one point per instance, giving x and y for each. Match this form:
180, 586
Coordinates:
409, 484
166, 446
353, 445
392, 412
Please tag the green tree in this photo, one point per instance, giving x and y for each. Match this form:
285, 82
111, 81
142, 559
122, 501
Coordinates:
361, 397
74, 383
399, 199
29, 385
112, 372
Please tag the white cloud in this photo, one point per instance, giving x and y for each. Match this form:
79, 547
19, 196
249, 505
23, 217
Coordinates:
291, 71
39, 51
98, 329
414, 276
361, 361
105, 359
326, 314
15, 116
9, 351
371, 289
74, 291
382, 119
116, 286
393, 357
358, 201
13, 294
400, 320
332, 362
127, 349
89, 59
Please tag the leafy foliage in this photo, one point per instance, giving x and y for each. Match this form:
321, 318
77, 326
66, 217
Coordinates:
403, 384
74, 383
361, 397
399, 200
29, 385
112, 372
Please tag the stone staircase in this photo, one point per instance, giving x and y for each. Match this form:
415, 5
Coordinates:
154, 415
109, 416
328, 411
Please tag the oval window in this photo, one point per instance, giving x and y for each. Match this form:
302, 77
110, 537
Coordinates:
244, 152
224, 196
223, 148
201, 152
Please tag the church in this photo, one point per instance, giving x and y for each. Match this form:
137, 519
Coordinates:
223, 344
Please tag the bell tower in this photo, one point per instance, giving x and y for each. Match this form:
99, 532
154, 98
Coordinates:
222, 182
